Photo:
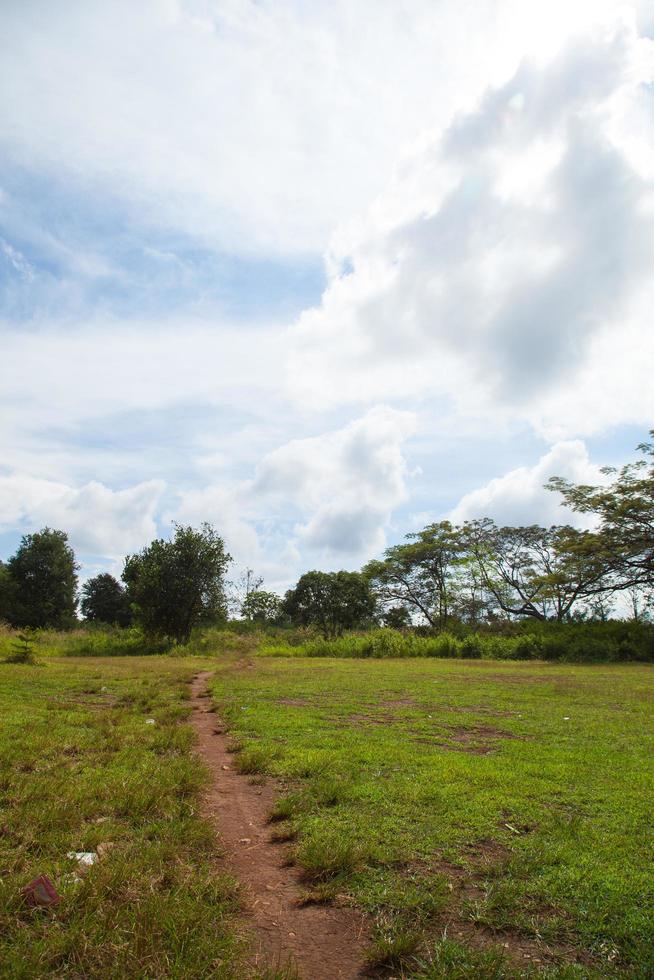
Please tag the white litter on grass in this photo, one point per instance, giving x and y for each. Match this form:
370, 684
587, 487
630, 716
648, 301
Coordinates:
566, 718
150, 721
86, 858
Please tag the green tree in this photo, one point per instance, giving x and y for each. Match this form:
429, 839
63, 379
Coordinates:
425, 574
6, 592
175, 585
537, 572
396, 618
238, 590
260, 606
43, 581
105, 600
625, 512
332, 601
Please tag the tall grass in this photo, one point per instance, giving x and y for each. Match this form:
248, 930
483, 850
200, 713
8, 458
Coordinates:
574, 642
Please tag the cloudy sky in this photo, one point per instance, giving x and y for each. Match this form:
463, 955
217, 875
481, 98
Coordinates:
318, 271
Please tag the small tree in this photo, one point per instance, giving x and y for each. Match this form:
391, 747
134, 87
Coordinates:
22, 649
43, 581
175, 585
397, 618
332, 601
105, 600
238, 590
261, 607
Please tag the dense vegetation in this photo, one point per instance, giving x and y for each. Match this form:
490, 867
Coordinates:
449, 590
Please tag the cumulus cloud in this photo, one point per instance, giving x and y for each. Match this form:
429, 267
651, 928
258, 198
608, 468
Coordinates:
348, 481
98, 520
506, 256
519, 497
499, 280
328, 497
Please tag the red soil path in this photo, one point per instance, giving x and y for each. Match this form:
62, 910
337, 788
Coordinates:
321, 942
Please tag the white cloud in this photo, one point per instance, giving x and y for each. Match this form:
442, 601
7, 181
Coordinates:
519, 497
99, 521
329, 497
503, 273
258, 125
501, 265
348, 481
88, 370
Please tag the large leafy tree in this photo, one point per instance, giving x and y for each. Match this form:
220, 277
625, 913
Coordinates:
5, 593
537, 572
175, 585
426, 574
105, 600
332, 601
624, 509
42, 581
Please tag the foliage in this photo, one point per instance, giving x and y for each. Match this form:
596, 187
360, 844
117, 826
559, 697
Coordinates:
105, 600
625, 509
422, 574
396, 617
22, 651
538, 572
5, 593
447, 574
239, 589
43, 581
175, 585
331, 601
572, 642
261, 607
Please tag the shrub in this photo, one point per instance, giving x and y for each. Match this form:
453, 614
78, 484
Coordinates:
573, 642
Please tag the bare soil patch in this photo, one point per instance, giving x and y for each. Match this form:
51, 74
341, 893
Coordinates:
477, 739
323, 943
469, 886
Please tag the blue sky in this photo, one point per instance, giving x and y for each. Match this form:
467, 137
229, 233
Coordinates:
399, 272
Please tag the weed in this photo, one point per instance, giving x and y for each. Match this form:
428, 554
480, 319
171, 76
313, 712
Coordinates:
395, 946
328, 854
287, 807
252, 760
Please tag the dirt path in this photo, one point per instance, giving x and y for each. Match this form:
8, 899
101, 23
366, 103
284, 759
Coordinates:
323, 943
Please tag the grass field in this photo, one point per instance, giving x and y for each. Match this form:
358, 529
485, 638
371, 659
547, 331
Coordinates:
79, 767
495, 818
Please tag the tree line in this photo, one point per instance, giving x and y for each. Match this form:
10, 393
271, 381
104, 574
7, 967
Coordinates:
472, 574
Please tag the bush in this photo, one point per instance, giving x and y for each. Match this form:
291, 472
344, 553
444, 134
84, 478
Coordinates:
572, 642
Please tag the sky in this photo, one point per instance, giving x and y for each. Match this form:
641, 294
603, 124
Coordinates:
319, 273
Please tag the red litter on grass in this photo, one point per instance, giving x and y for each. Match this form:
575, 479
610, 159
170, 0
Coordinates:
41, 891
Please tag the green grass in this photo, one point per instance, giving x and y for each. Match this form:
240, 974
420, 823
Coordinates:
79, 767
481, 811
